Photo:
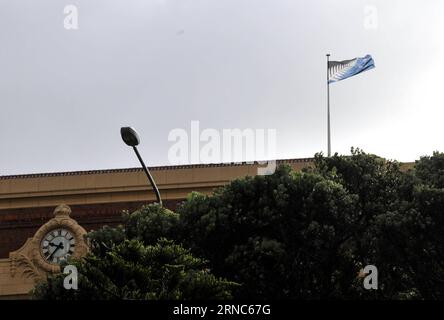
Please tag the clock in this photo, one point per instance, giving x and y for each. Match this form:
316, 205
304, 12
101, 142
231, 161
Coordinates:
57, 245
54, 242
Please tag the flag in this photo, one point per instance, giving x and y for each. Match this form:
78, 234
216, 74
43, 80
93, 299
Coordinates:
340, 70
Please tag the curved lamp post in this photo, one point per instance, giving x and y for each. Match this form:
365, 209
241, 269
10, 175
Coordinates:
131, 138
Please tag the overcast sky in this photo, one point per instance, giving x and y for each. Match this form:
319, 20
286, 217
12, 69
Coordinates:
159, 64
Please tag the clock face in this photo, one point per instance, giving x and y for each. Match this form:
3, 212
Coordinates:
57, 246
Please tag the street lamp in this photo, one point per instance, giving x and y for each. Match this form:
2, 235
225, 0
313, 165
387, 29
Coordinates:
131, 138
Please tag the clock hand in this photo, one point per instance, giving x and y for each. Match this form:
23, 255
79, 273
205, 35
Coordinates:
59, 246
56, 245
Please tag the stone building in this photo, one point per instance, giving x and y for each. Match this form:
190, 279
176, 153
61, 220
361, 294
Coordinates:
29, 224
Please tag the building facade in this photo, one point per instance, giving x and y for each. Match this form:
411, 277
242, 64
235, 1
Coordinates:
95, 198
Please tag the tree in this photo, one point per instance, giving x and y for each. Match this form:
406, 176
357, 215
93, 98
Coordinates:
429, 203
280, 236
387, 217
307, 235
430, 170
134, 262
289, 235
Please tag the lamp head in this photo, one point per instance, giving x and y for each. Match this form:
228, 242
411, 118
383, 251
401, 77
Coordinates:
129, 136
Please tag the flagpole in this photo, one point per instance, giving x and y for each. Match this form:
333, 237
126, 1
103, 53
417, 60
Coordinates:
328, 109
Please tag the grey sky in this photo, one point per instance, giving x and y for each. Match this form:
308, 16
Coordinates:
159, 64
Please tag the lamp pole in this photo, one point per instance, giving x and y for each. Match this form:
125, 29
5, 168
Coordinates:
131, 138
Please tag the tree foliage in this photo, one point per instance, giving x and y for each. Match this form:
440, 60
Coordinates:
134, 261
289, 235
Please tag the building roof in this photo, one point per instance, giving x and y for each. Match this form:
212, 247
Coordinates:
137, 169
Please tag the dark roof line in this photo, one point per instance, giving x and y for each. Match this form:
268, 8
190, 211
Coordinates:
173, 167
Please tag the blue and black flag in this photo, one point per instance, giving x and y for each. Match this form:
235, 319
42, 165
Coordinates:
340, 70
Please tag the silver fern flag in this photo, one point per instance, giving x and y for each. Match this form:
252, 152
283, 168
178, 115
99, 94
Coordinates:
340, 70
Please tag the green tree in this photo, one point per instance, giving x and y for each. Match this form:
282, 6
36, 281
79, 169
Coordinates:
281, 236
289, 235
135, 262
307, 234
386, 217
430, 170
429, 203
